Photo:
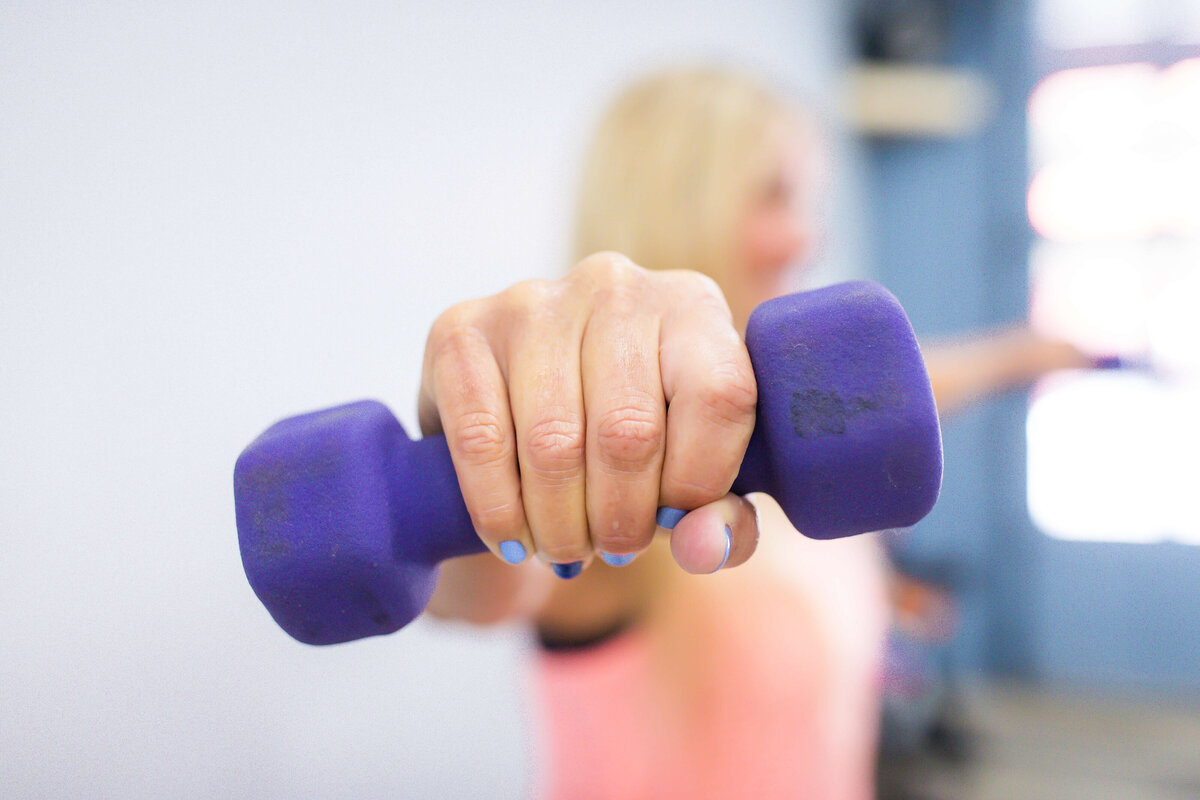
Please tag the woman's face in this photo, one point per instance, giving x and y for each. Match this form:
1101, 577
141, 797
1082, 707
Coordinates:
778, 232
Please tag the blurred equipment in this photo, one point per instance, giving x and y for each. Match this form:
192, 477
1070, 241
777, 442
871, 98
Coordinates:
899, 88
901, 30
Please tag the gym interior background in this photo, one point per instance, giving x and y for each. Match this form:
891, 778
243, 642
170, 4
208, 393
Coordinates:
212, 217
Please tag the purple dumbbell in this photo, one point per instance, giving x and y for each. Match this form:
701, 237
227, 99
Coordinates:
342, 519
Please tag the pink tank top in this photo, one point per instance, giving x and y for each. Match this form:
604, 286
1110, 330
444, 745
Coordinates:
773, 693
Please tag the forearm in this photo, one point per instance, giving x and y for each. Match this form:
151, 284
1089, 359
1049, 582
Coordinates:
967, 370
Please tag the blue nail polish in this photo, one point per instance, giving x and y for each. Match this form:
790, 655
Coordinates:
728, 547
567, 571
617, 561
512, 551
668, 517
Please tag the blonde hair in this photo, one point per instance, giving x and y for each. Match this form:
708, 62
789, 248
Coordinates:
672, 166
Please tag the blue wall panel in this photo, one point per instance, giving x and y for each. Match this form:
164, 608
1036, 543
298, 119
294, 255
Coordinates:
949, 236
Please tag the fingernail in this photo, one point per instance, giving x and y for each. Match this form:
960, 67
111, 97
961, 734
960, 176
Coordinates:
567, 571
728, 547
617, 561
512, 551
668, 517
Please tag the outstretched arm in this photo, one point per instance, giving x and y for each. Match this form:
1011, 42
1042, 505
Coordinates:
965, 371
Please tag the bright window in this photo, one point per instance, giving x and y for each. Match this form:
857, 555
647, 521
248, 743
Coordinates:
1114, 201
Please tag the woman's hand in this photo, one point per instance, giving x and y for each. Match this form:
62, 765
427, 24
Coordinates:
1045, 354
575, 409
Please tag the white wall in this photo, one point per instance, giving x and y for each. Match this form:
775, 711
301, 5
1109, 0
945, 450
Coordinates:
215, 216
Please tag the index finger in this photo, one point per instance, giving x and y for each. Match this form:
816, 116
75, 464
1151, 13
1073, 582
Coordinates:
464, 394
711, 397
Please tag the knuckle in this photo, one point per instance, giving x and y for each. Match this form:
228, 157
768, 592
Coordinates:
714, 303
497, 518
481, 437
536, 308
528, 295
622, 297
555, 446
706, 286
728, 395
696, 295
455, 335
698, 287
625, 539
454, 316
608, 269
562, 552
698, 490
629, 437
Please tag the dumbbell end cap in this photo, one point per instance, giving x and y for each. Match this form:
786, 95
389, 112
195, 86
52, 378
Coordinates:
847, 418
316, 529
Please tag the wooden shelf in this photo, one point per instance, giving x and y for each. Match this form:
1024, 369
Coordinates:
913, 101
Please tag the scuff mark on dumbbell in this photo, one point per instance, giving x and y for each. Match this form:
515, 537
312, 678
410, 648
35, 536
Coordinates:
818, 413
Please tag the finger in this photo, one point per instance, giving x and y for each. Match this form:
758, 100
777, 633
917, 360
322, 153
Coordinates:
546, 395
626, 421
716, 536
465, 396
710, 390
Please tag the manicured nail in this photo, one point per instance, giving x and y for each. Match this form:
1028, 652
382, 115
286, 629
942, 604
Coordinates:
512, 551
617, 561
567, 571
668, 517
728, 547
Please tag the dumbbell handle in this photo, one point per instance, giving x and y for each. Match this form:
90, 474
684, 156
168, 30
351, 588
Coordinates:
436, 528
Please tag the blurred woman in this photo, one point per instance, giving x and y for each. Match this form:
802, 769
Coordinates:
653, 681
577, 409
